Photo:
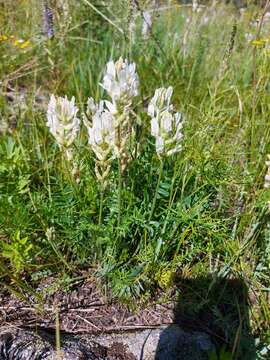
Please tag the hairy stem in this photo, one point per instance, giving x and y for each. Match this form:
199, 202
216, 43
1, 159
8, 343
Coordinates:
119, 192
101, 205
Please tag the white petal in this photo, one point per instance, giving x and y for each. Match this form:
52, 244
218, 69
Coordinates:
154, 127
111, 68
151, 110
111, 107
169, 92
167, 122
91, 105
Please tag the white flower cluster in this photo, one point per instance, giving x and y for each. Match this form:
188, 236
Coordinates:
121, 80
166, 125
101, 136
63, 122
110, 124
102, 133
111, 128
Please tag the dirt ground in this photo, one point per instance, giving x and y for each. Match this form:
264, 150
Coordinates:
84, 309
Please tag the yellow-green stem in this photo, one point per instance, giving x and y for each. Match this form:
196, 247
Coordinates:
119, 192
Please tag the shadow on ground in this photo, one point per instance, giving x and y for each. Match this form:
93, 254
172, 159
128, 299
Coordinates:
213, 306
210, 321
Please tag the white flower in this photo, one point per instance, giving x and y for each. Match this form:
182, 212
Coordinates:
101, 134
160, 102
166, 126
121, 83
62, 120
121, 80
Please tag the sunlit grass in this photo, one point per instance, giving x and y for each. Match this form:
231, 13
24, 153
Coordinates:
211, 210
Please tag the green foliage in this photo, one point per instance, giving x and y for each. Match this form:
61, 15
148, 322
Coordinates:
211, 209
18, 252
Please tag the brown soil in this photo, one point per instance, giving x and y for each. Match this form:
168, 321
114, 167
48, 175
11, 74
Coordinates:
84, 309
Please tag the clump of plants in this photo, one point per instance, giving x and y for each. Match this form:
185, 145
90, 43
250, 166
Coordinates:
135, 194
112, 127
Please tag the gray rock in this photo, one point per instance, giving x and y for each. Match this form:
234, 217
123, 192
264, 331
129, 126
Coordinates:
165, 343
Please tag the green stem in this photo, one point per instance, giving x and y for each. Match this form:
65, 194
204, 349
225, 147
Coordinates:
156, 192
119, 192
101, 205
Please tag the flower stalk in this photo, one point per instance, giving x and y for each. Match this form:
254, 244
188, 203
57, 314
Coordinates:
101, 137
111, 129
119, 193
101, 205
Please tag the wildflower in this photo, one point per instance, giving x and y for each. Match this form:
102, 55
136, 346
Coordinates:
267, 176
25, 44
48, 20
160, 101
121, 80
18, 42
101, 133
147, 24
63, 122
3, 37
50, 233
101, 136
259, 42
166, 126
21, 43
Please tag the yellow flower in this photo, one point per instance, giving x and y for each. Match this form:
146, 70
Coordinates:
258, 42
25, 44
3, 37
17, 42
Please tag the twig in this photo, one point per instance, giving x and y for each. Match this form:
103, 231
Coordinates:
47, 309
89, 322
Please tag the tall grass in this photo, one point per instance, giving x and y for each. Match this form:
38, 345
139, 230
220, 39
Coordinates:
207, 210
